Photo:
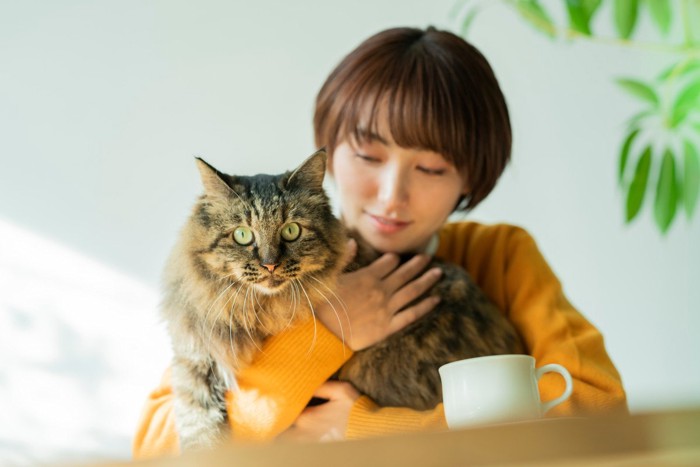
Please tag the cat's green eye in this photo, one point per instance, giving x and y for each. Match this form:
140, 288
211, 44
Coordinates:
291, 231
243, 236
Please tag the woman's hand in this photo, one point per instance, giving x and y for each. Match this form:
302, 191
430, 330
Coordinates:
328, 421
373, 299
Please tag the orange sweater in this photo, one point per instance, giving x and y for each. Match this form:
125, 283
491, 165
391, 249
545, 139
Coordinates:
506, 264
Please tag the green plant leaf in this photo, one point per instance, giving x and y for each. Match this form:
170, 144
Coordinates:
466, 24
624, 154
680, 69
693, 12
532, 12
691, 178
639, 89
577, 17
634, 121
580, 14
686, 102
590, 7
661, 14
696, 126
637, 189
625, 12
666, 192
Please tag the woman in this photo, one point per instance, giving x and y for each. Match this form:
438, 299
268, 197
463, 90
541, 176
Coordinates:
415, 126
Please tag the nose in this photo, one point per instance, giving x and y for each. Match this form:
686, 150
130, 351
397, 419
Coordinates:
270, 267
394, 189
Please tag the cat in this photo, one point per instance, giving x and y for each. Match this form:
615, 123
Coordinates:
251, 251
254, 256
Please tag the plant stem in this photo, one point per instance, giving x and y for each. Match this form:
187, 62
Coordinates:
687, 48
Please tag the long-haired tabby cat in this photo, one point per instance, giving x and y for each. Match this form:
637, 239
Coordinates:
255, 255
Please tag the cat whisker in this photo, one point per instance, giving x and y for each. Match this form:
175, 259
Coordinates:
255, 297
313, 314
206, 315
223, 278
221, 309
294, 293
340, 302
342, 333
218, 314
245, 320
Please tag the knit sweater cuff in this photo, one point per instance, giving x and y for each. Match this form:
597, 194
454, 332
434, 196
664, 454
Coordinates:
367, 419
308, 349
283, 377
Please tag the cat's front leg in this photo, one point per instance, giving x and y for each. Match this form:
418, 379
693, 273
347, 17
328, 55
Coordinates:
200, 405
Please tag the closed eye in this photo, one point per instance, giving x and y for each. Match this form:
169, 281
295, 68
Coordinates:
369, 159
429, 171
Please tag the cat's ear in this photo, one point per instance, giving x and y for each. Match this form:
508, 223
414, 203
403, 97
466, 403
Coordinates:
213, 180
310, 173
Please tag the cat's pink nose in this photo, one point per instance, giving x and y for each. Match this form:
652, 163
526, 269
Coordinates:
269, 267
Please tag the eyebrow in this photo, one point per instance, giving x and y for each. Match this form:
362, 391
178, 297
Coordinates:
366, 135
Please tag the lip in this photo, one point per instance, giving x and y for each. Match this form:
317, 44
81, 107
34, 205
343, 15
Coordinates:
386, 225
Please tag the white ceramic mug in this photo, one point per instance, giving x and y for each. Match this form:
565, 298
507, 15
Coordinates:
496, 389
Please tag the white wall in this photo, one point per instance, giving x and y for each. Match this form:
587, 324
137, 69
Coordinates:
104, 104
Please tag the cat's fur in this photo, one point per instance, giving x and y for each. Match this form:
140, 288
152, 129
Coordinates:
223, 299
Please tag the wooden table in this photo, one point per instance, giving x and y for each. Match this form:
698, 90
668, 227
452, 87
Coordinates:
663, 438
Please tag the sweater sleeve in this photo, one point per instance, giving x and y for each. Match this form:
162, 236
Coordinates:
271, 392
555, 332
368, 419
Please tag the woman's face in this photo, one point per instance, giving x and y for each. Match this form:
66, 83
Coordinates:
395, 197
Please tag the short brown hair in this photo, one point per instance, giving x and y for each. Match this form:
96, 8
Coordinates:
439, 94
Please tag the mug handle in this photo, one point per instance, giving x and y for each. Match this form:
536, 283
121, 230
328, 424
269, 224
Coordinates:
553, 367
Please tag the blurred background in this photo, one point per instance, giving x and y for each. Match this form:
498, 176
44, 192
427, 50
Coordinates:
103, 106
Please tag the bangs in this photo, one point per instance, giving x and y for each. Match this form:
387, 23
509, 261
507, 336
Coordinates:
416, 111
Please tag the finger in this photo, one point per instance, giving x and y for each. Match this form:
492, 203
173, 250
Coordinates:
333, 390
403, 318
414, 289
407, 271
293, 433
383, 265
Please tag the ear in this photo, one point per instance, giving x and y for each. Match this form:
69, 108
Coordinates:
213, 180
310, 173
